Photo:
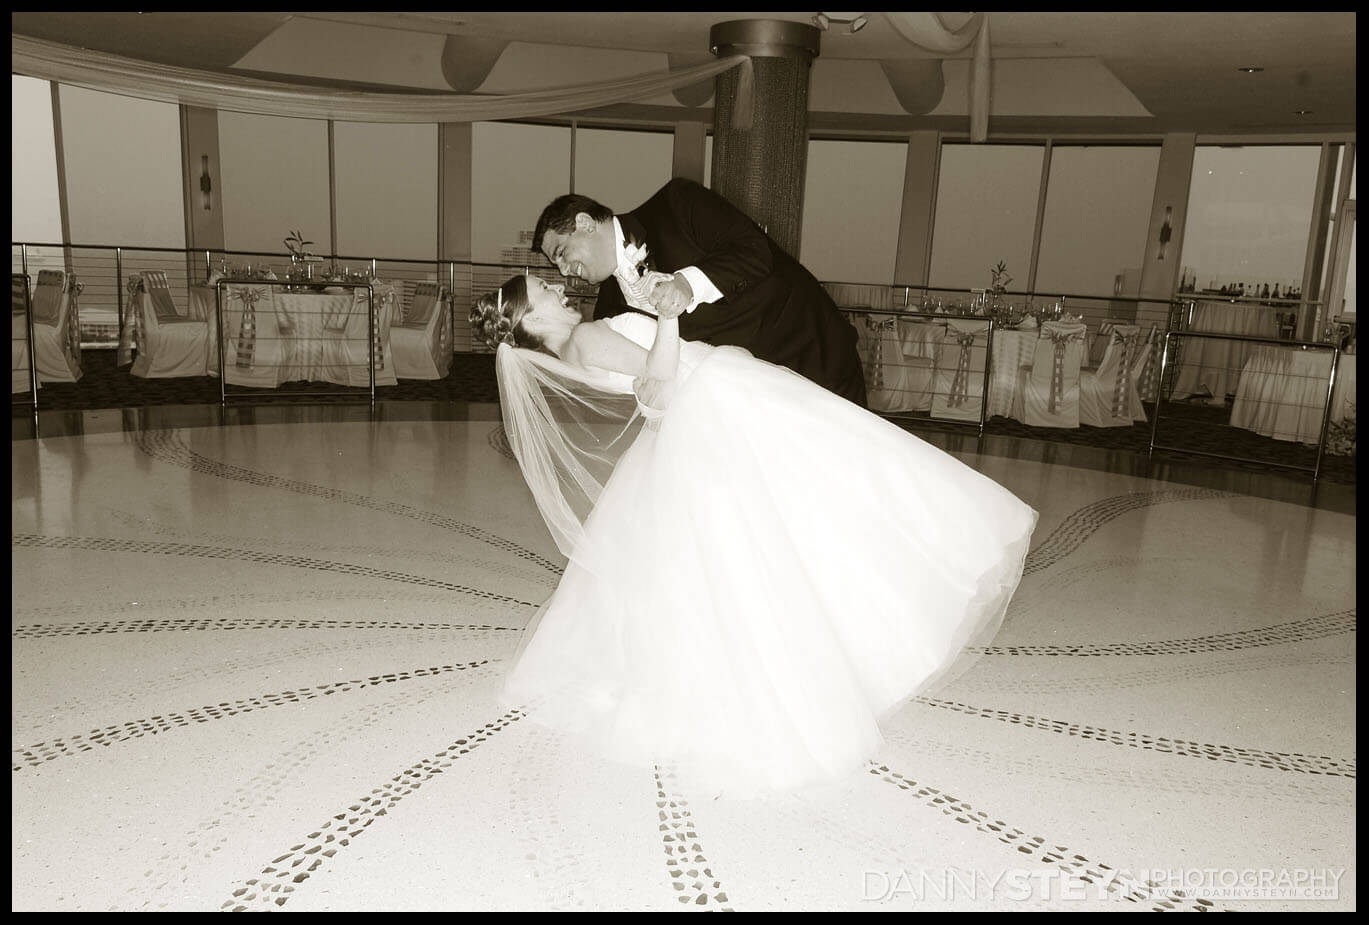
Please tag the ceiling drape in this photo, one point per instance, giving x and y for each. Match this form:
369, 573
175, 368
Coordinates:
926, 31
93, 70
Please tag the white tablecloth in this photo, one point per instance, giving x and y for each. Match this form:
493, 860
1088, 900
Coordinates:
1213, 365
317, 321
1282, 392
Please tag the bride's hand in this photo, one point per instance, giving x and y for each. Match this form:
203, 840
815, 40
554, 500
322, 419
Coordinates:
654, 393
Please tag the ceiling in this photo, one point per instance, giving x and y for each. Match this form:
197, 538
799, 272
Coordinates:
1171, 71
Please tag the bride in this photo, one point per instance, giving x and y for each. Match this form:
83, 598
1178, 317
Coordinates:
758, 570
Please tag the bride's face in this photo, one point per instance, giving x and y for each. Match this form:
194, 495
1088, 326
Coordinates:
547, 304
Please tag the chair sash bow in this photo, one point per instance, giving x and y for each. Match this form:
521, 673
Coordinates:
131, 336
247, 328
73, 331
960, 383
878, 328
1061, 340
381, 299
1126, 343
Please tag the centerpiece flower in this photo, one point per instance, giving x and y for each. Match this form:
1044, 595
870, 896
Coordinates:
301, 261
999, 308
1000, 277
295, 243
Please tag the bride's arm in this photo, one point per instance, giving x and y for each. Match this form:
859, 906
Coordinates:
664, 357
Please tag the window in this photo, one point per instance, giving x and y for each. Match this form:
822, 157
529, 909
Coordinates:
621, 169
275, 181
35, 213
515, 171
123, 169
852, 200
1098, 204
1249, 215
386, 181
985, 213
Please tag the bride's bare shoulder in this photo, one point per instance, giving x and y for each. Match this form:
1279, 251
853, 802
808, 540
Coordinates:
596, 343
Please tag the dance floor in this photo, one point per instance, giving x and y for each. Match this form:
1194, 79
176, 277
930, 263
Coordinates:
256, 664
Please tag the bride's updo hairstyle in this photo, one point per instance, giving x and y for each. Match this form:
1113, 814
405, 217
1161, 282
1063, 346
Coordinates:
497, 317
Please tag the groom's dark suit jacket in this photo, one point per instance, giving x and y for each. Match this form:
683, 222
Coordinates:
771, 305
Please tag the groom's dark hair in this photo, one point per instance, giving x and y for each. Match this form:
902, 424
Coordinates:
559, 215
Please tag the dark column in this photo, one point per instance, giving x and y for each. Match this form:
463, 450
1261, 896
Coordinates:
760, 169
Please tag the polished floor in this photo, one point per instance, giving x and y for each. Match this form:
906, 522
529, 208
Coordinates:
256, 656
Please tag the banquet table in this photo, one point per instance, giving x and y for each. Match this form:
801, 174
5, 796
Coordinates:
313, 324
1211, 364
1282, 392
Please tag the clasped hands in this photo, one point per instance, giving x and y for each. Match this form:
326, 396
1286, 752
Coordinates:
669, 294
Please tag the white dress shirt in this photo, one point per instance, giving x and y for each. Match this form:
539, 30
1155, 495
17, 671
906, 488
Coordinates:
636, 286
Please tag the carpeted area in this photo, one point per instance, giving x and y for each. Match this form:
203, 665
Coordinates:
1183, 426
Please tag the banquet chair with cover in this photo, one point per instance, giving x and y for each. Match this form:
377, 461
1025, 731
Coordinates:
172, 344
252, 339
897, 360
347, 338
958, 394
56, 327
1048, 390
19, 333
1107, 395
421, 339
1146, 369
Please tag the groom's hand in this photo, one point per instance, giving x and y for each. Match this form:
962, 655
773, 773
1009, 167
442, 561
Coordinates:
671, 297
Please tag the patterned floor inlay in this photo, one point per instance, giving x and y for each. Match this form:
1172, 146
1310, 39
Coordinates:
486, 565
1331, 624
1141, 782
168, 446
1254, 757
235, 650
101, 544
1098, 876
1153, 675
690, 875
39, 630
1076, 529
282, 876
289, 769
70, 746
256, 662
359, 599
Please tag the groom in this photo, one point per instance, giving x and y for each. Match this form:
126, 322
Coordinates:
708, 259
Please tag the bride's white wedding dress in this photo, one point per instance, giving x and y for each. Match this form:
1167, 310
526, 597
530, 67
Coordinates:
774, 570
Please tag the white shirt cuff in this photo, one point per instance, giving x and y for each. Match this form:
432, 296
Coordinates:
704, 290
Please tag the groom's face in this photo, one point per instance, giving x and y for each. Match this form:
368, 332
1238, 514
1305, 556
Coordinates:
587, 252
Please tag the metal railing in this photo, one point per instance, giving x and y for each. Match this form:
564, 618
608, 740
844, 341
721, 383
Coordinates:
1249, 409
920, 385
104, 269
224, 284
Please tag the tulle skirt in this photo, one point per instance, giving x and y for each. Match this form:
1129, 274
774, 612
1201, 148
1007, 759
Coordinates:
769, 571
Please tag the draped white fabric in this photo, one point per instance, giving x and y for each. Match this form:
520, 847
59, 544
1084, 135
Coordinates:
769, 572
94, 70
926, 31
